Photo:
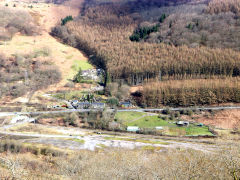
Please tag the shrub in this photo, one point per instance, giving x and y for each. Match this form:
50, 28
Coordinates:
20, 74
162, 18
69, 84
13, 21
143, 32
66, 19
177, 114
78, 77
189, 112
166, 111
113, 102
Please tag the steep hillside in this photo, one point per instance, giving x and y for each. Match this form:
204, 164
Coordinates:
14, 21
26, 73
137, 41
105, 32
43, 17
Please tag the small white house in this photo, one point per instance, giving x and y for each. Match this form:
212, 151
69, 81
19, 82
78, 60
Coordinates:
182, 123
159, 128
132, 128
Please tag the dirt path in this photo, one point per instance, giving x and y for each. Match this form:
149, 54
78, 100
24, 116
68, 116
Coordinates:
77, 138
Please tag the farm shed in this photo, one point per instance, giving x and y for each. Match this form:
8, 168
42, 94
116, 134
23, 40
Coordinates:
132, 129
126, 104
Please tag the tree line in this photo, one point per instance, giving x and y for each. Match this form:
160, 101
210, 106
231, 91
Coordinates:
190, 92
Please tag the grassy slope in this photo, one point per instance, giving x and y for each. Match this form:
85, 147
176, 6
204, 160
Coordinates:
149, 122
128, 116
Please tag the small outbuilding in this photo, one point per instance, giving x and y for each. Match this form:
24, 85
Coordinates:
182, 123
200, 125
159, 128
133, 128
125, 104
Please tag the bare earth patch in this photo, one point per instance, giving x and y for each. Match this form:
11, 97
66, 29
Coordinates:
227, 119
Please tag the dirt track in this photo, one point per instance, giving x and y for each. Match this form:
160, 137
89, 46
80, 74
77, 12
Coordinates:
77, 138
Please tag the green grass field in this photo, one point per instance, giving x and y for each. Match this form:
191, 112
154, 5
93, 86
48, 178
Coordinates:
69, 95
143, 121
149, 122
125, 117
191, 130
84, 65
77, 64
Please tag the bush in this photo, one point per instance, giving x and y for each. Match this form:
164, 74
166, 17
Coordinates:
113, 102
69, 84
20, 74
13, 21
189, 112
166, 111
78, 77
172, 116
143, 32
177, 114
162, 18
66, 19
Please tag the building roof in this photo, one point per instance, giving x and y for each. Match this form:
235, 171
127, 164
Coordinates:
125, 102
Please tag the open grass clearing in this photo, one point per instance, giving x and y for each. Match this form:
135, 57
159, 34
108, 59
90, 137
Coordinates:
149, 122
76, 65
84, 65
126, 117
143, 120
191, 130
70, 95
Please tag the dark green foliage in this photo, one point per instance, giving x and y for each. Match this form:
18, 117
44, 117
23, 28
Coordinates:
177, 114
66, 19
162, 18
78, 77
170, 24
190, 26
184, 112
142, 33
166, 111
113, 102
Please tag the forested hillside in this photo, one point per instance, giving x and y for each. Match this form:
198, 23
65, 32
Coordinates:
163, 40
